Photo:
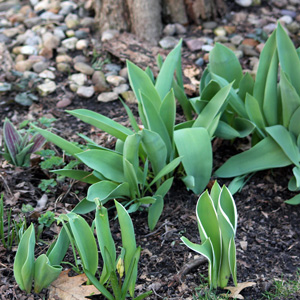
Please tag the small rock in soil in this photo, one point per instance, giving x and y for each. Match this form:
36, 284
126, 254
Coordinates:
63, 58
121, 88
210, 25
82, 44
84, 68
99, 82
47, 74
168, 42
70, 43
46, 88
194, 44
72, 21
109, 34
79, 79
169, 30
115, 80
107, 97
63, 67
85, 91
129, 97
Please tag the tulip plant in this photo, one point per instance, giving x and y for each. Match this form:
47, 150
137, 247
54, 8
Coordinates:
120, 273
217, 221
274, 107
141, 167
18, 148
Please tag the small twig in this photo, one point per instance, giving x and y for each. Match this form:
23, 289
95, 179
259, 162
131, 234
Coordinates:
7, 187
158, 229
189, 266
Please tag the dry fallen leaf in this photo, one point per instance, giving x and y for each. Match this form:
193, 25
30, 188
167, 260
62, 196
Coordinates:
71, 288
235, 290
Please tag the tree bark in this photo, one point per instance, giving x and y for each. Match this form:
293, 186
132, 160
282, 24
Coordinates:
144, 17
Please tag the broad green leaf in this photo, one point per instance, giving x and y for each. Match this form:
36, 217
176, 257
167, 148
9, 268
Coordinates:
83, 207
183, 100
294, 125
267, 154
24, 260
289, 98
270, 102
58, 250
288, 57
294, 182
44, 273
109, 164
131, 177
254, 112
155, 122
206, 249
131, 117
147, 200
80, 175
85, 242
128, 242
106, 190
205, 79
232, 260
209, 226
263, 69
240, 128
166, 170
237, 184
213, 107
131, 150
246, 86
155, 211
194, 145
69, 147
224, 63
286, 142
165, 77
141, 83
233, 99
210, 91
98, 285
105, 240
155, 149
104, 123
167, 112
294, 201
164, 188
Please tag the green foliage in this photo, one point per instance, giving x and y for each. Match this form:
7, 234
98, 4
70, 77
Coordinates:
47, 218
47, 184
41, 271
272, 106
11, 230
284, 289
17, 147
217, 222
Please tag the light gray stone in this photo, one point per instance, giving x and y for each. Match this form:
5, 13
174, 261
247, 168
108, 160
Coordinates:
115, 80
47, 74
180, 29
99, 82
72, 21
63, 67
107, 97
46, 88
70, 43
78, 79
52, 17
244, 3
40, 66
85, 91
109, 34
236, 39
207, 48
121, 88
59, 33
169, 30
82, 44
84, 68
87, 22
50, 41
168, 42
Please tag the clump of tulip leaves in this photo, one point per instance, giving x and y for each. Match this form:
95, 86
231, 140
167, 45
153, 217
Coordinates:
141, 168
272, 106
119, 274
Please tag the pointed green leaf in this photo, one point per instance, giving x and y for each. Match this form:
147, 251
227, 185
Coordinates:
194, 145
167, 112
85, 242
80, 175
44, 273
294, 201
165, 77
265, 155
294, 125
104, 123
246, 86
69, 147
155, 211
224, 63
141, 83
286, 142
108, 163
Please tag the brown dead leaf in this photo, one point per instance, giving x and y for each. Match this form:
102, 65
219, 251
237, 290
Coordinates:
235, 290
71, 288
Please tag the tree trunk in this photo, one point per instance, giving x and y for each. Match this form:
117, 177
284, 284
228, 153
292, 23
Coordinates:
144, 18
